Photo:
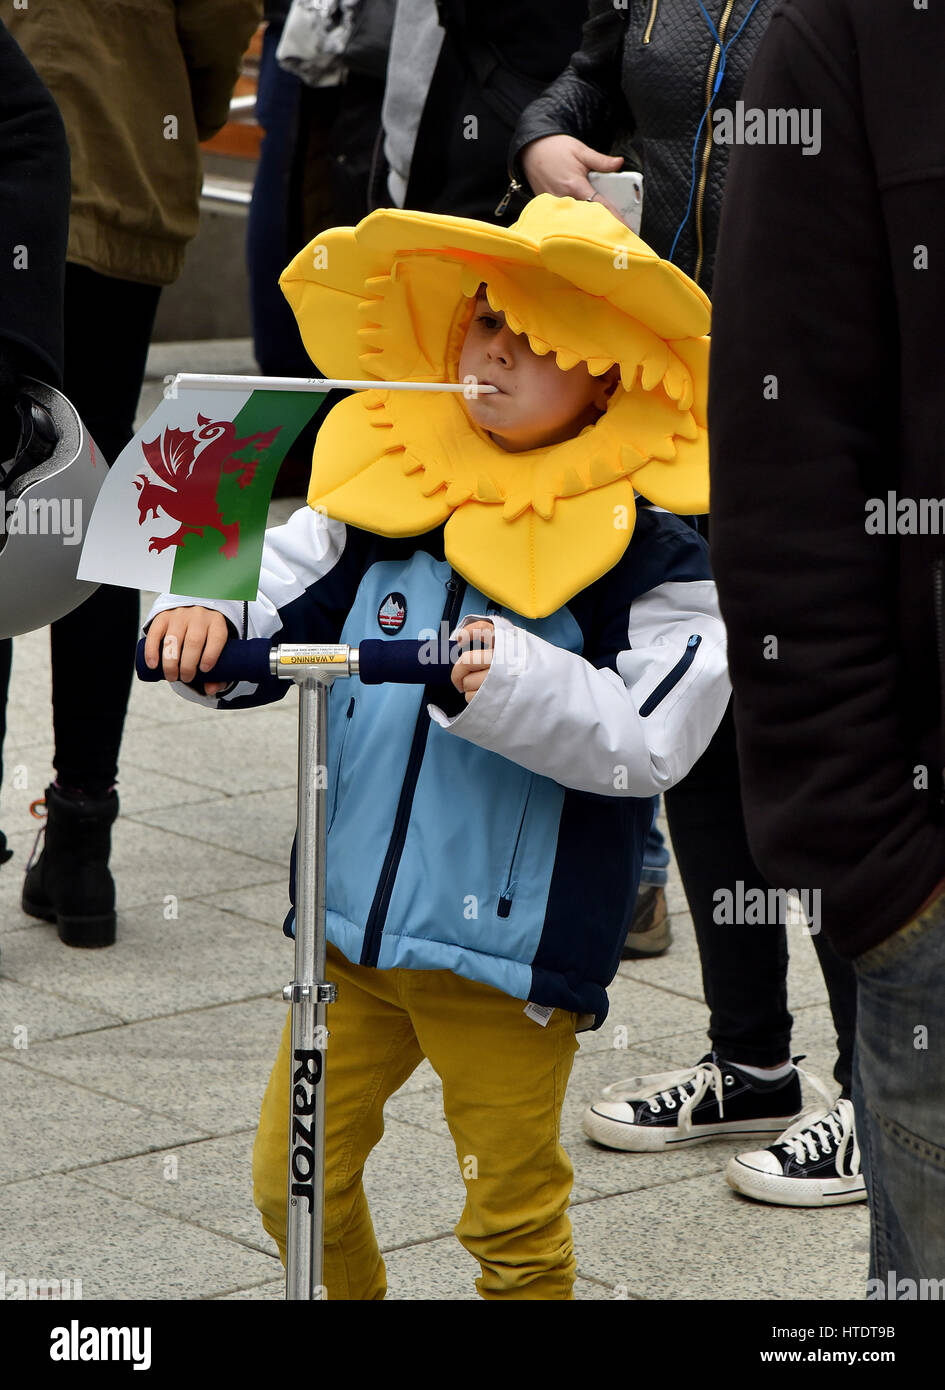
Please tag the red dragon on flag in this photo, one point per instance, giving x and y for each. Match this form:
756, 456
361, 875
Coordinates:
189, 465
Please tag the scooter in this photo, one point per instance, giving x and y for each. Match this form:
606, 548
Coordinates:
313, 668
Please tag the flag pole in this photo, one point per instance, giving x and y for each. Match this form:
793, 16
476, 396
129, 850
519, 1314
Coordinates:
192, 381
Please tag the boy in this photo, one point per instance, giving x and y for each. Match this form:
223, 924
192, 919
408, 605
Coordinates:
485, 838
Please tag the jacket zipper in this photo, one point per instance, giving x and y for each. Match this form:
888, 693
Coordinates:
334, 798
707, 151
505, 900
514, 187
673, 678
654, 10
370, 950
939, 581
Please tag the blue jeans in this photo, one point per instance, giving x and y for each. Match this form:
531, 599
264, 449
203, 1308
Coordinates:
899, 1097
655, 853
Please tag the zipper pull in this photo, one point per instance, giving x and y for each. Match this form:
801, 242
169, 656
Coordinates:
514, 187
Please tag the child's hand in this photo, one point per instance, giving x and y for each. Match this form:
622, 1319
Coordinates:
186, 637
473, 666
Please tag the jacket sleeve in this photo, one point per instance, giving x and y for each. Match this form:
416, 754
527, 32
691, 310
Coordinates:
633, 728
214, 35
587, 100
306, 587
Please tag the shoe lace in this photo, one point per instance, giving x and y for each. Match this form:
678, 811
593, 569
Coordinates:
666, 1090
836, 1133
41, 801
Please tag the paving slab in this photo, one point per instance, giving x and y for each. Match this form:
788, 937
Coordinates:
270, 1291
207, 1068
156, 967
266, 902
149, 864
699, 1239
51, 1124
642, 1014
49, 1010
207, 1182
258, 823
62, 1228
436, 1269
231, 751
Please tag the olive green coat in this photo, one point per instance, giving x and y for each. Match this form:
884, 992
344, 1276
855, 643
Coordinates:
139, 84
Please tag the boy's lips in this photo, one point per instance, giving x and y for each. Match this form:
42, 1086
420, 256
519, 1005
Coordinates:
500, 390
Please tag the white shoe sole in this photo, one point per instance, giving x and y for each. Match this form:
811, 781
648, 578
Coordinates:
794, 1192
630, 1138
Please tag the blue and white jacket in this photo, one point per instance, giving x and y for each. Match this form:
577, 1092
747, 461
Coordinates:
502, 839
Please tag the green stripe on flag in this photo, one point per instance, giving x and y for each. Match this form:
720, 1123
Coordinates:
200, 569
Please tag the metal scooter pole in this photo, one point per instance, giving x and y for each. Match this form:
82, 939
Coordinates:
309, 994
313, 667
313, 670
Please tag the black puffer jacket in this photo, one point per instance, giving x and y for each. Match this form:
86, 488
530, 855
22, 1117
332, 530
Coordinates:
650, 68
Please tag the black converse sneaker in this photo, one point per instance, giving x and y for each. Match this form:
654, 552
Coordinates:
815, 1163
712, 1100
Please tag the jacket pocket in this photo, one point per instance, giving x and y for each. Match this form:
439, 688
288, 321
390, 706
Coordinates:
508, 892
336, 775
673, 678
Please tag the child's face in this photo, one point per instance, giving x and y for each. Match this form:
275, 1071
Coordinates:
537, 403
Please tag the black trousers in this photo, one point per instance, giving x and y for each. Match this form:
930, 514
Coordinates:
744, 968
108, 325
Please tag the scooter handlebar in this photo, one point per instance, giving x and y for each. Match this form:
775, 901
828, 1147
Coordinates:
239, 661
401, 662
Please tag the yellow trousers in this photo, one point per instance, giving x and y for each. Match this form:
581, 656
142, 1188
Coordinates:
504, 1078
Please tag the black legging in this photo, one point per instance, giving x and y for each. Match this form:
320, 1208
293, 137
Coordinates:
108, 325
744, 968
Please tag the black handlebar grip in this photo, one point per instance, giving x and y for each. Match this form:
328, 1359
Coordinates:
406, 663
239, 661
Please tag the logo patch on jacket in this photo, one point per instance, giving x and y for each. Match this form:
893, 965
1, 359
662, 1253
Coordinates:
392, 613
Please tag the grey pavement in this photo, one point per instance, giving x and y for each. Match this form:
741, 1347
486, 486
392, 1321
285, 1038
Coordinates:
130, 1078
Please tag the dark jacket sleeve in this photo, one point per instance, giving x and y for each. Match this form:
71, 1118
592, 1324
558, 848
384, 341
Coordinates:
804, 422
34, 216
214, 35
587, 100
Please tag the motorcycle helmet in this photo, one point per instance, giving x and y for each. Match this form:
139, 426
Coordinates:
47, 492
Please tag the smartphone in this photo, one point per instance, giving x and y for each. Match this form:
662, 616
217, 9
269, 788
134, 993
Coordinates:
625, 191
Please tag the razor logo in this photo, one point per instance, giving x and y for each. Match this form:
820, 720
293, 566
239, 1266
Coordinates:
306, 1074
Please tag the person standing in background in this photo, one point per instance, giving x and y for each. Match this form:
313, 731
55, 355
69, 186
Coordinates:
825, 401
660, 68
139, 84
34, 209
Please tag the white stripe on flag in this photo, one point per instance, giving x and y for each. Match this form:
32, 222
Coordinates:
116, 545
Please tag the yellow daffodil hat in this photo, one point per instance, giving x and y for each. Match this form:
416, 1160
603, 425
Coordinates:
392, 298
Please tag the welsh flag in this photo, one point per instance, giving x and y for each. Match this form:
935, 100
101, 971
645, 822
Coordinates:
183, 509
